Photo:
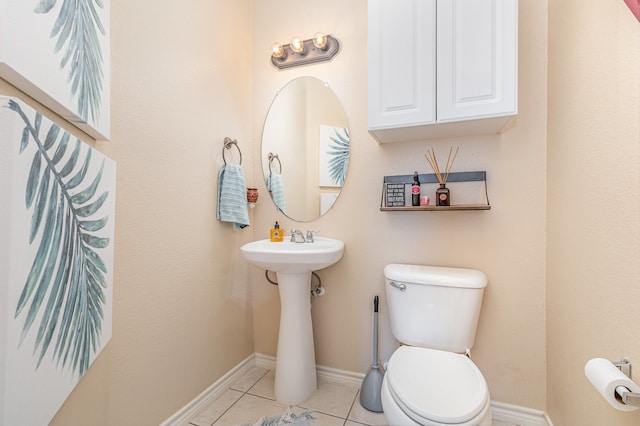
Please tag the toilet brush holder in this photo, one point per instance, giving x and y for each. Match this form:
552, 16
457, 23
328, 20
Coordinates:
371, 389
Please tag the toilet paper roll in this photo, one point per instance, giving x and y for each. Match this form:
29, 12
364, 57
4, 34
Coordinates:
605, 377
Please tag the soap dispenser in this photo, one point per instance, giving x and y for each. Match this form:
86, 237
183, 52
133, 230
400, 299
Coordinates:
276, 233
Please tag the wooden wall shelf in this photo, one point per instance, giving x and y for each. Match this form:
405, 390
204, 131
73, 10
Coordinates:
436, 208
478, 176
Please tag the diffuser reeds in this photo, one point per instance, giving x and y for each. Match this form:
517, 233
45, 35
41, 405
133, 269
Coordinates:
432, 159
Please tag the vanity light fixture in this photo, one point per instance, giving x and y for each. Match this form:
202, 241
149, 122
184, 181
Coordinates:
277, 51
302, 52
320, 41
297, 46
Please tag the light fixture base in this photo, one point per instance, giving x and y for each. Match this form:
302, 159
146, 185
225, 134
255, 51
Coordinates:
311, 54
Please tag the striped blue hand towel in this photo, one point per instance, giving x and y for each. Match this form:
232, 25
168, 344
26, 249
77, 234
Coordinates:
276, 188
232, 196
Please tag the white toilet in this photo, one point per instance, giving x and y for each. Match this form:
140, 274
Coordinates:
430, 379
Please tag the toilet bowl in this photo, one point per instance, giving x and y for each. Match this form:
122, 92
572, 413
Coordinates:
433, 387
430, 378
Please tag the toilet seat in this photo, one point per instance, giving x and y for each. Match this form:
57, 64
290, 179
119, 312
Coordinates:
436, 386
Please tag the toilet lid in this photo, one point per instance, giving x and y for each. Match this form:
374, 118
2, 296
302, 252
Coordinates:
436, 385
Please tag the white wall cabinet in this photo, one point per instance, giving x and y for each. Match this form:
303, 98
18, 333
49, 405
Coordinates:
441, 68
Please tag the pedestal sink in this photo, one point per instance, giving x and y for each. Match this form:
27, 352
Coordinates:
295, 380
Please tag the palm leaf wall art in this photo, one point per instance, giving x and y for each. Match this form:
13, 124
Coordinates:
56, 256
77, 27
339, 152
334, 155
58, 52
64, 294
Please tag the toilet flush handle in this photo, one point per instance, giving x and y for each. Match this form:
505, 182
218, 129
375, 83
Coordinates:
400, 287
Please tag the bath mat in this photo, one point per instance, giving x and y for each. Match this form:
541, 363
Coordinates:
288, 418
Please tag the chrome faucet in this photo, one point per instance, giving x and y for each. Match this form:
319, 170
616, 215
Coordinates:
309, 237
298, 237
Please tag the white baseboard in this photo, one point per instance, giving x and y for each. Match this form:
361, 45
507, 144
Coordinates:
210, 394
521, 416
335, 375
267, 362
499, 410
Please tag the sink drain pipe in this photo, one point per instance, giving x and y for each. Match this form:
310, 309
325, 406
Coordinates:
316, 292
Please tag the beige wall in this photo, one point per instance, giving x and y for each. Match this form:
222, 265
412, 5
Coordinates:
182, 315
593, 291
507, 242
187, 308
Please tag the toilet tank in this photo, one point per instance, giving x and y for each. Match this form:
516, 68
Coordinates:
438, 308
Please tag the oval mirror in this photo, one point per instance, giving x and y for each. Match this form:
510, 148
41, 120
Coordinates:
305, 149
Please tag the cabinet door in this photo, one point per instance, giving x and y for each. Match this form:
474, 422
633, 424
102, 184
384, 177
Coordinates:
477, 59
401, 51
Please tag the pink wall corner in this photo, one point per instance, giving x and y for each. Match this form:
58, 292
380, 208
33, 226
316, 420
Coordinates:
634, 5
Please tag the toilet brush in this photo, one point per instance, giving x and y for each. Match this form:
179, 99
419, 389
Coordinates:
372, 383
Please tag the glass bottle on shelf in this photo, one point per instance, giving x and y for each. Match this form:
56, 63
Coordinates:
415, 190
443, 198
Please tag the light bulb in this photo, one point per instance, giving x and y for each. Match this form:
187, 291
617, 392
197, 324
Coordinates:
277, 50
320, 41
297, 45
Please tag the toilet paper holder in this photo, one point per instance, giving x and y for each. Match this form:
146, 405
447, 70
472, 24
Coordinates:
625, 366
623, 394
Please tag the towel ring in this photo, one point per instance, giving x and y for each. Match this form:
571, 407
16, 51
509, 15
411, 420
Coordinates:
272, 157
227, 144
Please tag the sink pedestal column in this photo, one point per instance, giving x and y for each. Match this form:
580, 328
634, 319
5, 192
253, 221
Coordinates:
295, 380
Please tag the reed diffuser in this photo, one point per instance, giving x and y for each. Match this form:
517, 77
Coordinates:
443, 196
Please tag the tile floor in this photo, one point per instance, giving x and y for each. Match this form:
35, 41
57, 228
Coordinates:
251, 397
